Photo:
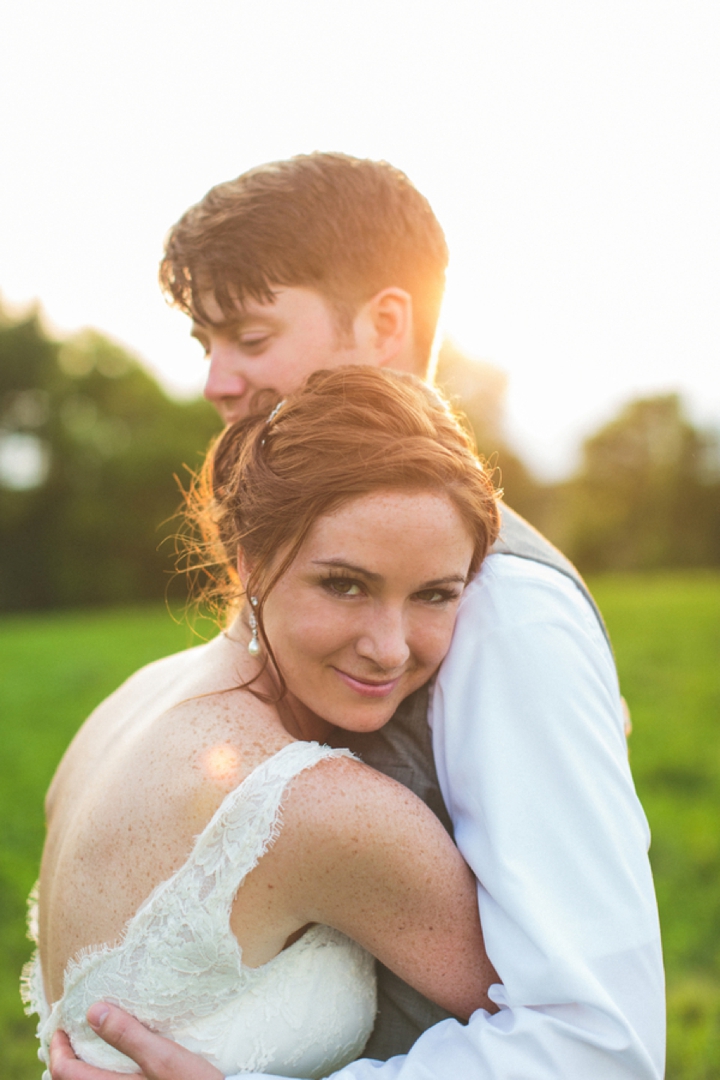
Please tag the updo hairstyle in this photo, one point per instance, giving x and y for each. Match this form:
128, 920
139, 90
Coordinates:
346, 433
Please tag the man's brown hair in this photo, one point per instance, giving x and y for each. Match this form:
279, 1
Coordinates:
341, 225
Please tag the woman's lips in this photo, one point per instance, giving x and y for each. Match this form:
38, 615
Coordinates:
367, 688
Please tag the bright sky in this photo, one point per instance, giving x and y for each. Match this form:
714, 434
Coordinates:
570, 149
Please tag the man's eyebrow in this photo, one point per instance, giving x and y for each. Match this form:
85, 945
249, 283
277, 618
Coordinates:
198, 327
229, 326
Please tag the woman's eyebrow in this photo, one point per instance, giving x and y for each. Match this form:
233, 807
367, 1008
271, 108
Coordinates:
451, 579
342, 565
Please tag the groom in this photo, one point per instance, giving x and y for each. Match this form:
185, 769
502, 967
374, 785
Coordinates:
326, 260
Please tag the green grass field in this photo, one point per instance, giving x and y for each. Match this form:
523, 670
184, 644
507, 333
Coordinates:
666, 630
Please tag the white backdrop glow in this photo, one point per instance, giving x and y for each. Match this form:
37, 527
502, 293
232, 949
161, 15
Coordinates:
571, 151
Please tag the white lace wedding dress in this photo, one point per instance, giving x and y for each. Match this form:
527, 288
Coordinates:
179, 968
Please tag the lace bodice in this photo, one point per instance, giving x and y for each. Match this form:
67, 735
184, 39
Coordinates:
179, 967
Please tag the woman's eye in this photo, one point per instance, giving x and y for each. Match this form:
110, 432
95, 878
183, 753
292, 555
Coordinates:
343, 587
436, 596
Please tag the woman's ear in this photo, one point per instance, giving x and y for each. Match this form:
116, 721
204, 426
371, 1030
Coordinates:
244, 569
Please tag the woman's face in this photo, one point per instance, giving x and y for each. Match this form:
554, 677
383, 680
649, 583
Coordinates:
365, 613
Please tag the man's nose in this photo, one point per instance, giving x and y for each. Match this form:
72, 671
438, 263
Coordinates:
225, 378
384, 639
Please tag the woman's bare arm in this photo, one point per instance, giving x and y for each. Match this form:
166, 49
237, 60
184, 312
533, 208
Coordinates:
360, 852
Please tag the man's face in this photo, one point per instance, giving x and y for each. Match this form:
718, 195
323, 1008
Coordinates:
271, 346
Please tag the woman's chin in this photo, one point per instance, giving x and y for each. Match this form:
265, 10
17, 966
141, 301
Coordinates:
368, 716
360, 710
364, 724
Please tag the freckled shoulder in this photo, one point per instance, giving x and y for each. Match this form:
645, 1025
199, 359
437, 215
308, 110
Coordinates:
170, 713
343, 809
221, 736
340, 782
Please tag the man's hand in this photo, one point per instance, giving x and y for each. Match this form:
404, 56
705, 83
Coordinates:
158, 1058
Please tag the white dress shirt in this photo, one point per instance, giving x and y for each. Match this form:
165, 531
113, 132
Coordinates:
532, 762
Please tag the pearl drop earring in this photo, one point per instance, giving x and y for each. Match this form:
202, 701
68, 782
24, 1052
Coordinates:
254, 643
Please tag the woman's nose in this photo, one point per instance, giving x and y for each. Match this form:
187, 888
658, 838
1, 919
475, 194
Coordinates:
384, 639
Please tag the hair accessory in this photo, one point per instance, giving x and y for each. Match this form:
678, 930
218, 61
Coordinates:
254, 643
271, 417
275, 411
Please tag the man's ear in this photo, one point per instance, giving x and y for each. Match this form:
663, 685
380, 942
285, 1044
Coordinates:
384, 329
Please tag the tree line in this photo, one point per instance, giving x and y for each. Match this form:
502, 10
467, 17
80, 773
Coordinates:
91, 450
646, 495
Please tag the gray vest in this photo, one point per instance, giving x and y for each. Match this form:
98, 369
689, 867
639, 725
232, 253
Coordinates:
403, 750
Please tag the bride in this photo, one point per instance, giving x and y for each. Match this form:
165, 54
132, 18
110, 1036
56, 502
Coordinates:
216, 863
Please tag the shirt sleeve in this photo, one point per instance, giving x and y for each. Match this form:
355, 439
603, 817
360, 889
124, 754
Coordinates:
532, 761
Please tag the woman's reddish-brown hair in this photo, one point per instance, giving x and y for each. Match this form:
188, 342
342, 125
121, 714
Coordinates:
344, 434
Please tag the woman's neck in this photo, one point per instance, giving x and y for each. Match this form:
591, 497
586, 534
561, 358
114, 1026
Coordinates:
297, 719
301, 722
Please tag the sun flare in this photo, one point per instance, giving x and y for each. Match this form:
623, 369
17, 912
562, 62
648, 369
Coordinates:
222, 763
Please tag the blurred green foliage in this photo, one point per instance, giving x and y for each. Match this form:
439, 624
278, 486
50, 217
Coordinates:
666, 631
89, 445
647, 492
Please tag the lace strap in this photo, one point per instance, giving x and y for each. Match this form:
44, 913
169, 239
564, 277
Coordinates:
249, 819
